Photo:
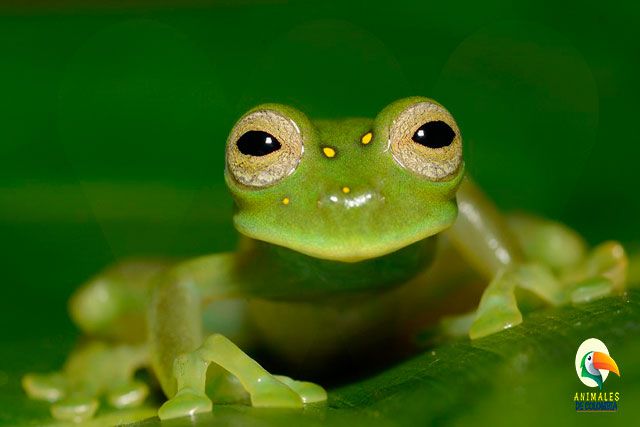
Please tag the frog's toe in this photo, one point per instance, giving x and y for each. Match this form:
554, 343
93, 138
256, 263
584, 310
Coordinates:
456, 326
67, 402
128, 395
49, 387
308, 392
75, 409
609, 260
497, 312
91, 372
591, 289
273, 393
633, 274
186, 402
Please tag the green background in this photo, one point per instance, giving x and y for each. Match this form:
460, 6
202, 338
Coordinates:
113, 118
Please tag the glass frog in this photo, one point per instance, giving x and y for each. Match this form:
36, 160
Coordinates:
349, 227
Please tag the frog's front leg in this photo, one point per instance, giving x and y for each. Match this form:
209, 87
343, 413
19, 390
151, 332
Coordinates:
542, 257
181, 354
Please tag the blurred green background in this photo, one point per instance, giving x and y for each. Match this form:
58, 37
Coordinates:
114, 115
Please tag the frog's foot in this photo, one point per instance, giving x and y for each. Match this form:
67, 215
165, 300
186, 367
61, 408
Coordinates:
498, 308
584, 275
602, 272
92, 371
265, 390
65, 404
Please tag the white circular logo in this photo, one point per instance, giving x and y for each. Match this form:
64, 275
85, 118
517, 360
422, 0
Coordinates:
587, 372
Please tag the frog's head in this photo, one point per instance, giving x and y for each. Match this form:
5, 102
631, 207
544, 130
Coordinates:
345, 190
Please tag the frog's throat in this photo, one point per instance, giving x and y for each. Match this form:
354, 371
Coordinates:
293, 275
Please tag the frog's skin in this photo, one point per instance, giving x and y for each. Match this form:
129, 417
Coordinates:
340, 224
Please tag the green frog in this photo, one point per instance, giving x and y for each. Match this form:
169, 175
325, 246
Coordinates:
354, 230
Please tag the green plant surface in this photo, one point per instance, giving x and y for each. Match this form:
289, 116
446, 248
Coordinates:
524, 375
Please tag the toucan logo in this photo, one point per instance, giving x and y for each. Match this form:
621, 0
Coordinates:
593, 363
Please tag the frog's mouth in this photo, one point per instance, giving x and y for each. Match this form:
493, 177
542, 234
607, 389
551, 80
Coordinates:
352, 251
372, 236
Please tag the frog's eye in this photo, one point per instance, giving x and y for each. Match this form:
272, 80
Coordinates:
425, 139
258, 143
263, 148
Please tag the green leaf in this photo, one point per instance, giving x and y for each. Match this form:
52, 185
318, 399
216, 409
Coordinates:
524, 376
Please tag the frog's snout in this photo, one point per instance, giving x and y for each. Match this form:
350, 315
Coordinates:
348, 198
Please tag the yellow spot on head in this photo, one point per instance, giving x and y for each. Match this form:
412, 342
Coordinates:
366, 138
285, 201
329, 152
346, 190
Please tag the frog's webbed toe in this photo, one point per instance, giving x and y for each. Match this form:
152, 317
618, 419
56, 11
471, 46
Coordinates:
91, 372
308, 392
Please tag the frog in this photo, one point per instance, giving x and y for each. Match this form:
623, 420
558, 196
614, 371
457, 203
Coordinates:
351, 230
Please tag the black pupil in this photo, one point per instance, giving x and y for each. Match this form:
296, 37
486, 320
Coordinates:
436, 134
257, 143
